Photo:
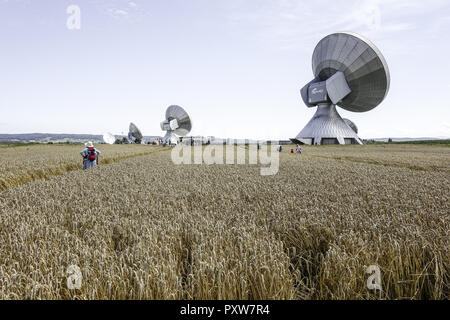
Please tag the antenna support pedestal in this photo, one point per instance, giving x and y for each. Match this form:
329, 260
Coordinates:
327, 127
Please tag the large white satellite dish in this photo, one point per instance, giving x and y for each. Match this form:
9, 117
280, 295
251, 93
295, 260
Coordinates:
134, 134
177, 123
350, 72
109, 138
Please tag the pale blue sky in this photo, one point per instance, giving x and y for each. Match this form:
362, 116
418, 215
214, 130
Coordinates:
235, 65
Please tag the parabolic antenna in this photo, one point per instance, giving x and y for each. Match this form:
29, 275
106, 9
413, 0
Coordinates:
351, 124
350, 72
109, 138
177, 123
134, 134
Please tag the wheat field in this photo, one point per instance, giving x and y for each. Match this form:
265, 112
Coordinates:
140, 227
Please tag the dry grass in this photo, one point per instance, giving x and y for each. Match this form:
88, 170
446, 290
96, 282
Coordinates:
21, 165
143, 228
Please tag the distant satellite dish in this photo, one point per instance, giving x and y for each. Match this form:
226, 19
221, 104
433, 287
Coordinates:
134, 134
109, 138
351, 125
350, 72
177, 123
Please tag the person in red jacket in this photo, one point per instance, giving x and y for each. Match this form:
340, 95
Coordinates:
90, 155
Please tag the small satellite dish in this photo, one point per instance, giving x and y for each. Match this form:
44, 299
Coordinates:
351, 124
350, 72
134, 134
177, 123
109, 138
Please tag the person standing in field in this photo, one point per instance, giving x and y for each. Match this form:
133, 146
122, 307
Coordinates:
84, 158
90, 155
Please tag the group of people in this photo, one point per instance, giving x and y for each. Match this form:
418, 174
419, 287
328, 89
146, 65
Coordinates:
90, 155
298, 149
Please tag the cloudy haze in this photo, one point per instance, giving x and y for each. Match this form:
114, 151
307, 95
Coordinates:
235, 65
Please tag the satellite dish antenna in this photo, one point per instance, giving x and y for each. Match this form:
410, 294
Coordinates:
350, 72
134, 134
351, 124
177, 123
109, 138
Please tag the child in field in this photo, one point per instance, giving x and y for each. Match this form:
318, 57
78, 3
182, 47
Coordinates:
90, 155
